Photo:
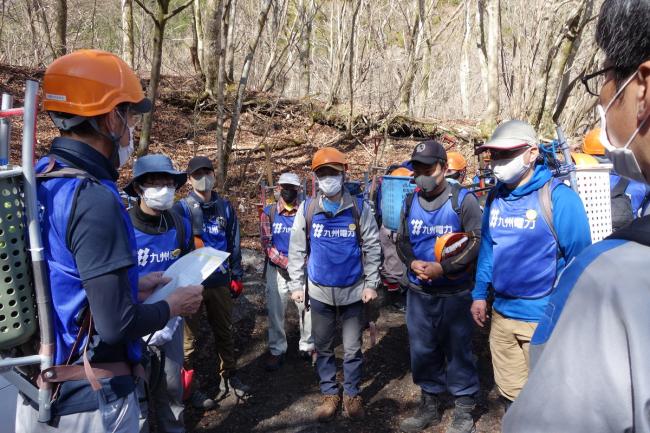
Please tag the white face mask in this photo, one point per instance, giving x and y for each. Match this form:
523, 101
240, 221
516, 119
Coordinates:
623, 159
203, 183
510, 170
125, 152
330, 185
159, 197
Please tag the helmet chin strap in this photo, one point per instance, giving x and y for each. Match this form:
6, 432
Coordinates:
113, 138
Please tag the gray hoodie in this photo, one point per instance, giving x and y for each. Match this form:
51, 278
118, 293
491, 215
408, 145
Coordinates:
590, 355
371, 250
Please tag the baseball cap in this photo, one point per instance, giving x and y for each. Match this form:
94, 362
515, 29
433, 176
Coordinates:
289, 179
199, 162
512, 134
429, 152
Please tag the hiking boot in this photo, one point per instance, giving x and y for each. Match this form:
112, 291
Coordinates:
462, 421
198, 400
328, 407
235, 384
427, 414
274, 362
353, 406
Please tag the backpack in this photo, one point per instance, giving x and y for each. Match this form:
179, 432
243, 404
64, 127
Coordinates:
621, 205
196, 215
545, 203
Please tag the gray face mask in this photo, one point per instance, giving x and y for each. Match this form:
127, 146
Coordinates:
204, 183
426, 183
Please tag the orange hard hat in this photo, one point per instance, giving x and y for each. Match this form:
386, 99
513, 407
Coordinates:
583, 159
328, 156
402, 171
449, 245
592, 144
456, 161
88, 83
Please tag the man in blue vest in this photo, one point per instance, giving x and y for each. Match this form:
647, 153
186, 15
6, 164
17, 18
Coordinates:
438, 298
215, 224
162, 237
275, 231
533, 225
590, 351
336, 234
94, 100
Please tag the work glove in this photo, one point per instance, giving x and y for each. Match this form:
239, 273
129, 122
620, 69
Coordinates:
236, 287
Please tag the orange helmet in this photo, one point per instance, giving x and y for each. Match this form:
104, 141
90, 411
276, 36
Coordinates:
402, 171
328, 156
592, 144
583, 159
88, 83
456, 161
449, 245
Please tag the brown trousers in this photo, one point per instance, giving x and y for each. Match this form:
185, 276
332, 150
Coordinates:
218, 306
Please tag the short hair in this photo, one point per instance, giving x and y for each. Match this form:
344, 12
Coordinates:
623, 34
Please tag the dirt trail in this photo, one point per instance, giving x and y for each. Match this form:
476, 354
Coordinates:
284, 401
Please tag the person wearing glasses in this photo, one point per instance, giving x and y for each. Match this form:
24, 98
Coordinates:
591, 349
533, 225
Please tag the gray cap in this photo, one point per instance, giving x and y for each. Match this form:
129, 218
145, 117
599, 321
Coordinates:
512, 134
154, 164
289, 179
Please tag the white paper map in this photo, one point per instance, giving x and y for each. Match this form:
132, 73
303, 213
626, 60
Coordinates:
192, 268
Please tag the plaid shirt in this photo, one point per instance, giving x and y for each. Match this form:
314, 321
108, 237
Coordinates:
266, 237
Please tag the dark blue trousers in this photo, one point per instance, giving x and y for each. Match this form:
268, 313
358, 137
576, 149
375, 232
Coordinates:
323, 328
440, 335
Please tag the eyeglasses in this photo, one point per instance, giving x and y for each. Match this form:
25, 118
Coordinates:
595, 81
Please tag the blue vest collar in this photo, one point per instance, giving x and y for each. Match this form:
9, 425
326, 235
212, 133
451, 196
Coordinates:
82, 156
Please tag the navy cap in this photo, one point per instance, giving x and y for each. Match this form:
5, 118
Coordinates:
154, 164
429, 152
199, 162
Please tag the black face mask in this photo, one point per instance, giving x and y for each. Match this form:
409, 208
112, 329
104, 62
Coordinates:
289, 195
426, 183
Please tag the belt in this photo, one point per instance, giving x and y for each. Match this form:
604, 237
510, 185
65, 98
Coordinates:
64, 373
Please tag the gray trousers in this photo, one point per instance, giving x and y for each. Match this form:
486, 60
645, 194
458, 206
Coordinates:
119, 416
277, 296
167, 397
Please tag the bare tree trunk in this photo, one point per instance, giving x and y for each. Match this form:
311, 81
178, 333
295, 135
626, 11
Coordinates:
306, 8
230, 44
198, 31
212, 45
243, 81
40, 10
61, 27
414, 59
160, 17
464, 60
128, 44
493, 11
194, 45
351, 66
480, 24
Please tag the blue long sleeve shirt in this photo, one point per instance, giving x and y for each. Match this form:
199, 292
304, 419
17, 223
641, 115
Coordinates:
571, 225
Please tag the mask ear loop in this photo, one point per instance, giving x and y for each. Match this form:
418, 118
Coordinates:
114, 138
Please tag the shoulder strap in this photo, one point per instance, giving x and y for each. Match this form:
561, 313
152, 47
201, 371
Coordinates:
308, 210
357, 209
181, 240
408, 202
52, 172
620, 187
196, 214
458, 194
273, 210
546, 204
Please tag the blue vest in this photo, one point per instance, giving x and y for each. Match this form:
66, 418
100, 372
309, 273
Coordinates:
215, 225
55, 197
281, 229
157, 252
424, 228
335, 258
524, 248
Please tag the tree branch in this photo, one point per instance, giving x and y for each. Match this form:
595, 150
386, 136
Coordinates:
146, 9
178, 10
